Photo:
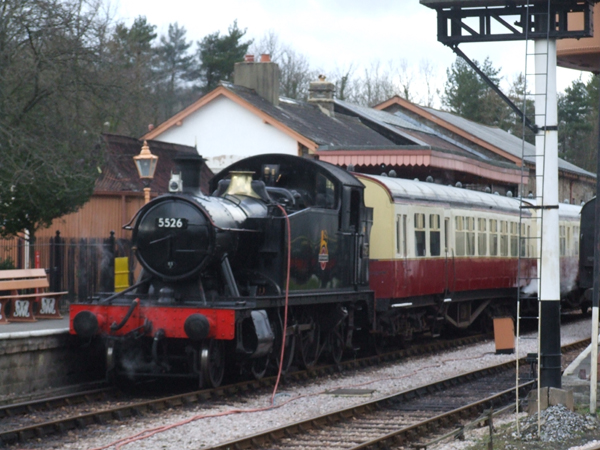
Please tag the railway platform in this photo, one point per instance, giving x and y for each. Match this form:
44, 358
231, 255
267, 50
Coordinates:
41, 355
19, 330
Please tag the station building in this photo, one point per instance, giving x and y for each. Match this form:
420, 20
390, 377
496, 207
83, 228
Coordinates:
396, 137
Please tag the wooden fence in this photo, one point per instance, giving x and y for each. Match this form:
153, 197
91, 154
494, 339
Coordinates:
82, 267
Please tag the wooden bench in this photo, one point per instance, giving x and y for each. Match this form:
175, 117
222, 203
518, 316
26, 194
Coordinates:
12, 285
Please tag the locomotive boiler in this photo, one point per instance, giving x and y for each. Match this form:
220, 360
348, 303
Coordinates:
218, 272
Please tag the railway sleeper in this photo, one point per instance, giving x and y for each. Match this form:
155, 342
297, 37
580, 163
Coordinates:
10, 438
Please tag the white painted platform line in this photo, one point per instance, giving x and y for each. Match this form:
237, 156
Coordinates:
33, 333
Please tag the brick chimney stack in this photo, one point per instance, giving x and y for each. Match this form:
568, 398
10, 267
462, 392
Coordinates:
321, 93
262, 77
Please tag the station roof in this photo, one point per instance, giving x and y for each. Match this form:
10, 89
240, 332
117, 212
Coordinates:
119, 173
510, 143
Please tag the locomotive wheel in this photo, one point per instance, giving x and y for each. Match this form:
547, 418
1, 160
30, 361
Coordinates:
259, 366
290, 346
212, 363
337, 341
309, 340
380, 343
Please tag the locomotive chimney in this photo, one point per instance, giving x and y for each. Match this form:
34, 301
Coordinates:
262, 77
190, 166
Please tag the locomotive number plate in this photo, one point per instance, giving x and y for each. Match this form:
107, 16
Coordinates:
171, 222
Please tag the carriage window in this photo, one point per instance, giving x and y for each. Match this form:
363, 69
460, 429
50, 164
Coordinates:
404, 241
576, 241
446, 235
514, 239
563, 240
524, 240
568, 250
482, 237
470, 238
434, 235
420, 249
493, 237
503, 238
401, 234
460, 235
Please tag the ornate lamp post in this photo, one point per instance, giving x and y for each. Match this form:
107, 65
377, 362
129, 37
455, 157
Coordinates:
146, 166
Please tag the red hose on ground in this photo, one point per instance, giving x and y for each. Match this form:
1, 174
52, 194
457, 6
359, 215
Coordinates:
152, 431
287, 290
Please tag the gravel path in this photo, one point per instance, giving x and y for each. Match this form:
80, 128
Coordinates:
199, 427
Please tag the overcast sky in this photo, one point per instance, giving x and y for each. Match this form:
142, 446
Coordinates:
335, 33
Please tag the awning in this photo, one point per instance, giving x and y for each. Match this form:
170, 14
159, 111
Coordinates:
425, 158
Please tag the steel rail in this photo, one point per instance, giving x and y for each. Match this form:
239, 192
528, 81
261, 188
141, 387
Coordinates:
50, 403
402, 435
40, 430
25, 433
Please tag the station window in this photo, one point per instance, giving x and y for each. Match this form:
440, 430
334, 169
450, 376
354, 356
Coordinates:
576, 241
459, 229
493, 237
420, 247
434, 235
470, 238
482, 237
514, 239
562, 240
503, 238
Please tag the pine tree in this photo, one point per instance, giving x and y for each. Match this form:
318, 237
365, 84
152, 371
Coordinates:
469, 96
132, 59
217, 55
174, 67
577, 118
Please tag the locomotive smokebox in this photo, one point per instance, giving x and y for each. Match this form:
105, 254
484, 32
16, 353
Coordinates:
189, 165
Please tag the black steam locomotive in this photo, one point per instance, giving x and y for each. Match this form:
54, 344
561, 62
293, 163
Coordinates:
216, 272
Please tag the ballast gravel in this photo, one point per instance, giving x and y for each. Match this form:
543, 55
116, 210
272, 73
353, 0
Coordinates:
200, 427
558, 424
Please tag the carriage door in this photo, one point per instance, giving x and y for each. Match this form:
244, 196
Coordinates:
356, 222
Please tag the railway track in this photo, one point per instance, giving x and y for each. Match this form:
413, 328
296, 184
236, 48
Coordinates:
18, 426
415, 417
400, 419
124, 410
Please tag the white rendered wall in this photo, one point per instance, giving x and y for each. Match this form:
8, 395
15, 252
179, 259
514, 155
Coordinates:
224, 132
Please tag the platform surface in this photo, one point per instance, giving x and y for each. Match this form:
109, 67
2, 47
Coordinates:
40, 328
